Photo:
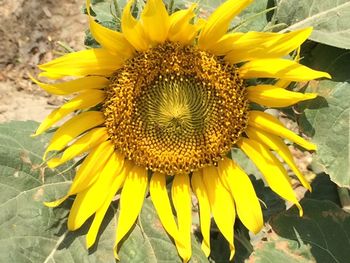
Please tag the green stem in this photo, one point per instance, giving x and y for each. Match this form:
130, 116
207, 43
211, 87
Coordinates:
344, 197
170, 7
234, 28
65, 47
267, 29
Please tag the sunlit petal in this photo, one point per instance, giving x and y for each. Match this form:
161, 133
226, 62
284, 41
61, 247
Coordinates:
84, 100
161, 202
221, 203
87, 202
116, 184
181, 196
272, 125
73, 128
273, 96
134, 189
155, 20
275, 143
219, 21
204, 209
69, 87
86, 142
86, 62
273, 171
112, 40
247, 203
279, 68
260, 45
133, 30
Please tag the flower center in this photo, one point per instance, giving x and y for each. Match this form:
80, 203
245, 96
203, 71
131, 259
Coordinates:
175, 109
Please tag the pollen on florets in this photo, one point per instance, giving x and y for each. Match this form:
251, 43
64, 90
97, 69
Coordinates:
175, 109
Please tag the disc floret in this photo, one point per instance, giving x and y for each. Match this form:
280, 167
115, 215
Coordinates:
175, 109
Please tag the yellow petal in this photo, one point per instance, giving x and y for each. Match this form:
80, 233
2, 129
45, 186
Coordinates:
112, 40
181, 18
226, 43
273, 171
160, 199
133, 30
50, 75
87, 83
131, 201
273, 96
221, 204
100, 213
243, 193
181, 30
85, 62
73, 128
87, 202
272, 125
219, 21
283, 84
155, 20
181, 196
187, 35
86, 142
88, 171
279, 68
275, 143
84, 100
204, 209
260, 45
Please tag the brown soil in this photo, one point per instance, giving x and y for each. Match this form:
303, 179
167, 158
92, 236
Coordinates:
30, 32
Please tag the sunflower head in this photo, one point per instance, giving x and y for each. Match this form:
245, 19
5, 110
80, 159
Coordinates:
167, 98
175, 109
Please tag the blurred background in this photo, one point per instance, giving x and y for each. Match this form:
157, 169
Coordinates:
31, 32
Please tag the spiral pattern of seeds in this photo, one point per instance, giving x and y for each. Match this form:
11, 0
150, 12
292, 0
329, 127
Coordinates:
175, 109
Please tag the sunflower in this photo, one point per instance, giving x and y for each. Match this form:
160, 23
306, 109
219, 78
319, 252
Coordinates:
163, 102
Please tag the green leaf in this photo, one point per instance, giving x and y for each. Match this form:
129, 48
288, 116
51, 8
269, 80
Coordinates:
149, 243
326, 119
323, 189
330, 19
274, 203
275, 248
253, 18
333, 60
31, 232
220, 251
324, 228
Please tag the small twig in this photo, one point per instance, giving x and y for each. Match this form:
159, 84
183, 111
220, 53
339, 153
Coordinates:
65, 47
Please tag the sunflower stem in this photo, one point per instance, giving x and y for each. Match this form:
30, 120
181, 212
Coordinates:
268, 29
344, 197
234, 28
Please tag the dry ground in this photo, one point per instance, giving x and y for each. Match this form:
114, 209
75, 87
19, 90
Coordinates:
29, 35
